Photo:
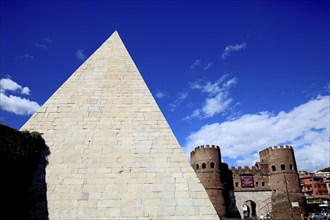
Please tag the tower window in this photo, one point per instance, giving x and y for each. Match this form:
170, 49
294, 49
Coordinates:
273, 168
212, 165
291, 167
263, 183
282, 167
203, 165
236, 184
197, 167
257, 184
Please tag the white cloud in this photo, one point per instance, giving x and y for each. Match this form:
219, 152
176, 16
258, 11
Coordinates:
16, 104
182, 96
160, 95
196, 114
80, 54
26, 91
8, 84
43, 46
305, 127
208, 66
218, 96
216, 104
27, 56
195, 64
232, 48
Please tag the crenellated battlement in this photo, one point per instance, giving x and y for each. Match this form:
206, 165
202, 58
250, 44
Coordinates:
205, 148
270, 150
245, 169
275, 148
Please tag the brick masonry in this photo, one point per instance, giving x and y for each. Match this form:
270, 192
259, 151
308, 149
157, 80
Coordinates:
271, 186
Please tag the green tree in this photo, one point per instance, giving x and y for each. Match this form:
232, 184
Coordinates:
327, 169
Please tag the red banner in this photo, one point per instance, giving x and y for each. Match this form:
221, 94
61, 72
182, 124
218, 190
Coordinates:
247, 181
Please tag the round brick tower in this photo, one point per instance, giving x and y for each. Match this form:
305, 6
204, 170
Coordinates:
287, 199
206, 161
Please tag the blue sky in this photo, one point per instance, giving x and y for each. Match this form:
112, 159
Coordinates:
244, 75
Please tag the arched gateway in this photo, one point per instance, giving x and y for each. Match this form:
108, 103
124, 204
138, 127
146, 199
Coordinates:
249, 209
255, 204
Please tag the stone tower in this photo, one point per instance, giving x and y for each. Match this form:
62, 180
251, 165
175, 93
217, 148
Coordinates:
113, 155
206, 162
287, 199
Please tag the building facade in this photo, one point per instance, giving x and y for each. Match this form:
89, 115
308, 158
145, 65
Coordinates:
270, 187
313, 185
315, 189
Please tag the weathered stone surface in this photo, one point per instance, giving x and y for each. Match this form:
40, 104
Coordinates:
113, 155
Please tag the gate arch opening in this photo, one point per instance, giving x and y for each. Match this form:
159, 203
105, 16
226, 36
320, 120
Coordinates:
249, 209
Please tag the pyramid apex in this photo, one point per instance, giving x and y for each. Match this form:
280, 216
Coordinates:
115, 33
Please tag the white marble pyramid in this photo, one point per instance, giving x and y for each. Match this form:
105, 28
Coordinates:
113, 155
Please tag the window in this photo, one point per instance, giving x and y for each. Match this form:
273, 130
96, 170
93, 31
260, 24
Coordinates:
212, 165
273, 168
236, 184
291, 167
257, 184
263, 183
282, 167
197, 167
203, 165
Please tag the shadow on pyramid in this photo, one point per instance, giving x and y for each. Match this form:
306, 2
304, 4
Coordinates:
113, 155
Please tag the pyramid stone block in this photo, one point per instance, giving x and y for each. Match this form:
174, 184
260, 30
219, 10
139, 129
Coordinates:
113, 155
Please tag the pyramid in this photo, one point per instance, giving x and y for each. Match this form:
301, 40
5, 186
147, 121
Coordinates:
112, 153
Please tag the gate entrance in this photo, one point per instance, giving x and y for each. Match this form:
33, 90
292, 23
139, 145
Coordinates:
249, 210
